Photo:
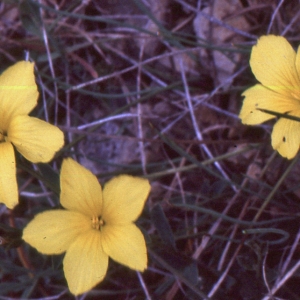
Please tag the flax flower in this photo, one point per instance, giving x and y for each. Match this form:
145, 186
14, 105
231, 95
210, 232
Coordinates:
35, 139
276, 66
95, 225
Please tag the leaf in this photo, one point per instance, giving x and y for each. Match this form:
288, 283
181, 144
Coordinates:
162, 225
50, 177
30, 17
180, 265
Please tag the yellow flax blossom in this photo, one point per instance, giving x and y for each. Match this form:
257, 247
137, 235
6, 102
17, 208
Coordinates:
35, 139
95, 225
276, 66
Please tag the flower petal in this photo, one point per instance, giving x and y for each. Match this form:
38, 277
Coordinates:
8, 180
298, 61
286, 136
35, 139
126, 245
124, 198
52, 232
273, 62
80, 189
18, 92
259, 96
85, 263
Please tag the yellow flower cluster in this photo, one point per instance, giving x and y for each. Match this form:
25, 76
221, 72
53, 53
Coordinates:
96, 224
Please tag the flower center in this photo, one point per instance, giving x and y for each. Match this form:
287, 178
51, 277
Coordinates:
97, 222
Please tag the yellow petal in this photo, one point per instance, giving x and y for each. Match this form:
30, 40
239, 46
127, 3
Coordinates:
85, 263
80, 189
286, 136
8, 181
126, 245
52, 232
259, 96
18, 92
124, 198
273, 62
36, 140
298, 61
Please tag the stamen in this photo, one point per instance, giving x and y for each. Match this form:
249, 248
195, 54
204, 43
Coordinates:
97, 222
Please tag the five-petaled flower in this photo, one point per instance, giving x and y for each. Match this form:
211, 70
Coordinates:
276, 66
35, 139
95, 225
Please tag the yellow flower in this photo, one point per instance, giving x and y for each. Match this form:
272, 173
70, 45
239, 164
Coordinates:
276, 66
35, 139
95, 225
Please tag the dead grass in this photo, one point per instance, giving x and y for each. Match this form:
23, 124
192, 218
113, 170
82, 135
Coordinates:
153, 88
